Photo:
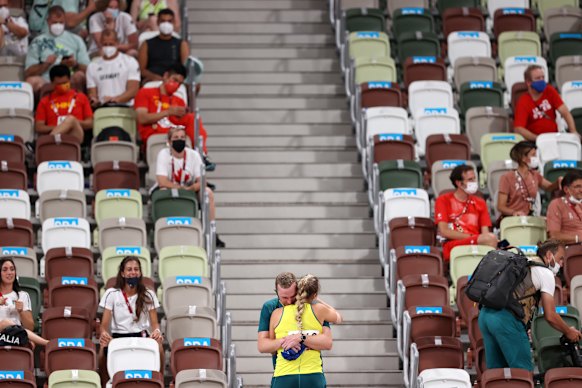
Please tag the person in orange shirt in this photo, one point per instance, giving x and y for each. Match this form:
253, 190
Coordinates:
64, 110
564, 216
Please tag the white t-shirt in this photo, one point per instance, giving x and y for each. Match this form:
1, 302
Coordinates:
191, 166
122, 321
14, 45
8, 310
543, 279
110, 76
124, 27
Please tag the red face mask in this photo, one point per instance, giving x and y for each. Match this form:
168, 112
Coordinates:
63, 88
171, 86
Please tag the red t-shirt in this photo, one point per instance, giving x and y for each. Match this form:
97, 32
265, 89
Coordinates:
54, 105
469, 216
538, 116
154, 101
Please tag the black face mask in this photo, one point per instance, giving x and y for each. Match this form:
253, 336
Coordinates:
178, 145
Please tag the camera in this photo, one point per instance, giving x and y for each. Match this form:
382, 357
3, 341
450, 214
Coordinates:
573, 349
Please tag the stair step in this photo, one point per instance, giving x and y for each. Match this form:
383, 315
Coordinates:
215, 40
224, 116
332, 364
259, 270
291, 211
366, 330
280, 129
280, 141
282, 184
270, 103
346, 378
274, 90
299, 170
259, 16
271, 65
349, 315
340, 347
267, 53
297, 255
254, 226
281, 156
311, 240
271, 79
291, 197
339, 285
269, 28
257, 4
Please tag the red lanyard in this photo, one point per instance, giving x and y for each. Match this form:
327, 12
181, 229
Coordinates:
127, 302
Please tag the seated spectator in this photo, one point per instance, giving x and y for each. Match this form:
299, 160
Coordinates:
115, 19
74, 17
14, 33
113, 78
56, 47
64, 110
145, 13
162, 52
564, 216
178, 167
518, 189
535, 112
461, 216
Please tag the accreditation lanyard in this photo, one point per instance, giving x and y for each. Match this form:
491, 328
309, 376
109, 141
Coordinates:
71, 106
128, 305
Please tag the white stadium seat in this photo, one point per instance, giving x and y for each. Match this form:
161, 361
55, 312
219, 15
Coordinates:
468, 44
425, 94
16, 95
60, 175
437, 120
14, 204
65, 232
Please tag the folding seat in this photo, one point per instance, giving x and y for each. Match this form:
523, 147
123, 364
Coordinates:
464, 304
481, 120
191, 321
555, 169
558, 292
32, 287
523, 230
564, 43
441, 171
374, 94
465, 20
114, 117
201, 378
14, 204
464, 260
106, 151
115, 175
562, 146
572, 94
16, 358
115, 203
444, 377
411, 231
563, 378
421, 290
507, 377
75, 292
545, 5
411, 44
572, 264
196, 290
64, 232
562, 19
134, 353
60, 175
518, 44
77, 262
431, 321
446, 147
424, 69
74, 378
174, 203
18, 122
57, 147
178, 231
474, 69
364, 19
182, 260
11, 68
61, 203
365, 69
16, 232
435, 352
365, 44
496, 146
435, 121
139, 378
112, 256
122, 231
382, 120
443, 5
411, 20
17, 95
18, 379
414, 260
13, 175
405, 202
514, 68
513, 19
12, 148
195, 353
392, 146
424, 94
476, 93
394, 5
24, 259
494, 5
568, 68
66, 322
541, 329
399, 173
473, 329
69, 353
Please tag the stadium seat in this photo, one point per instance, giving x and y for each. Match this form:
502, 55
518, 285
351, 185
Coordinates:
464, 260
435, 121
114, 117
195, 353
11, 69
78, 378
24, 259
496, 146
563, 378
75, 292
419, 43
421, 290
61, 203
444, 378
406, 202
391, 146
16, 232
178, 231
562, 19
463, 303
366, 69
441, 171
196, 290
18, 379
443, 5
365, 44
446, 147
425, 94
545, 5
517, 90
32, 287
563, 146
174, 203
555, 169
122, 231
424, 69
431, 321
16, 95
343, 5
514, 68
13, 176
399, 173
481, 120
518, 43
572, 263
14, 204
415, 260
411, 20
372, 94
133, 353
494, 5
541, 329
69, 353
435, 352
201, 378
66, 322
359, 19
18, 122
12, 148
183, 260
495, 171
65, 231
513, 19
568, 68
523, 230
16, 358
57, 147
393, 5
191, 321
466, 21
411, 231
106, 151
115, 203
382, 120
115, 175
572, 94
59, 175
474, 69
477, 93
564, 43
112, 256
506, 377
76, 262
137, 378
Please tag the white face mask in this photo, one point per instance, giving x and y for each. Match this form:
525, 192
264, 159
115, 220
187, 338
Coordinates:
166, 28
57, 29
534, 162
575, 201
113, 11
471, 188
4, 13
109, 51
556, 267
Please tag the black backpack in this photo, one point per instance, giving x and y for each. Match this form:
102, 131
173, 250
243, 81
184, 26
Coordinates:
496, 277
113, 134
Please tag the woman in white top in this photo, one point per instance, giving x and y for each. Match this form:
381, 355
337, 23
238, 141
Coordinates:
178, 167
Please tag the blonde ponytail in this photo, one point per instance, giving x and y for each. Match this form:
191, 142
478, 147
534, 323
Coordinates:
307, 288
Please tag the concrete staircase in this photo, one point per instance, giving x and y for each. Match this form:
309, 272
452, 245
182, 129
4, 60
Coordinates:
290, 192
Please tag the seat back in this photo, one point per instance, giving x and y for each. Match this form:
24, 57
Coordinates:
418, 259
517, 90
562, 146
195, 353
393, 146
61, 203
412, 19
464, 260
174, 203
572, 94
17, 95
368, 44
66, 322
60, 175
115, 203
19, 122
513, 19
480, 120
134, 353
191, 321
441, 171
69, 353
425, 290
477, 93
494, 5
57, 147
514, 68
73, 291
114, 117
436, 120
464, 304
411, 231
18, 379
518, 43
182, 260
474, 69
171, 231
65, 231
394, 5
419, 43
523, 230
11, 68
423, 94
12, 148
196, 290
439, 352
76, 262
16, 232
139, 378
111, 258
13, 175
441, 147
106, 151
24, 259
115, 175
568, 68
572, 264
424, 69
494, 173
507, 377
78, 378
406, 202
562, 19
444, 378
32, 287
365, 19
380, 93
468, 43
563, 378
399, 173
565, 43
431, 321
122, 232
201, 378
374, 69
14, 204
541, 329
496, 146
16, 358
382, 120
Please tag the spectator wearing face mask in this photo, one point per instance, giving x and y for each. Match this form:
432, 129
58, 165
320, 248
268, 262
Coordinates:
564, 216
56, 47
113, 78
115, 19
535, 112
461, 216
14, 33
158, 54
145, 13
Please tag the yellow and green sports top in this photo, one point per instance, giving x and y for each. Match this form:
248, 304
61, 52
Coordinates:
310, 360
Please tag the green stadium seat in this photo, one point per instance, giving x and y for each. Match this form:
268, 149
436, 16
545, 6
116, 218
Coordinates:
115, 203
565, 43
442, 5
32, 286
411, 20
111, 257
399, 173
174, 203
115, 117
480, 93
411, 44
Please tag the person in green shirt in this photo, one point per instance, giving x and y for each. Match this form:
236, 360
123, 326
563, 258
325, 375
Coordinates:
286, 289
